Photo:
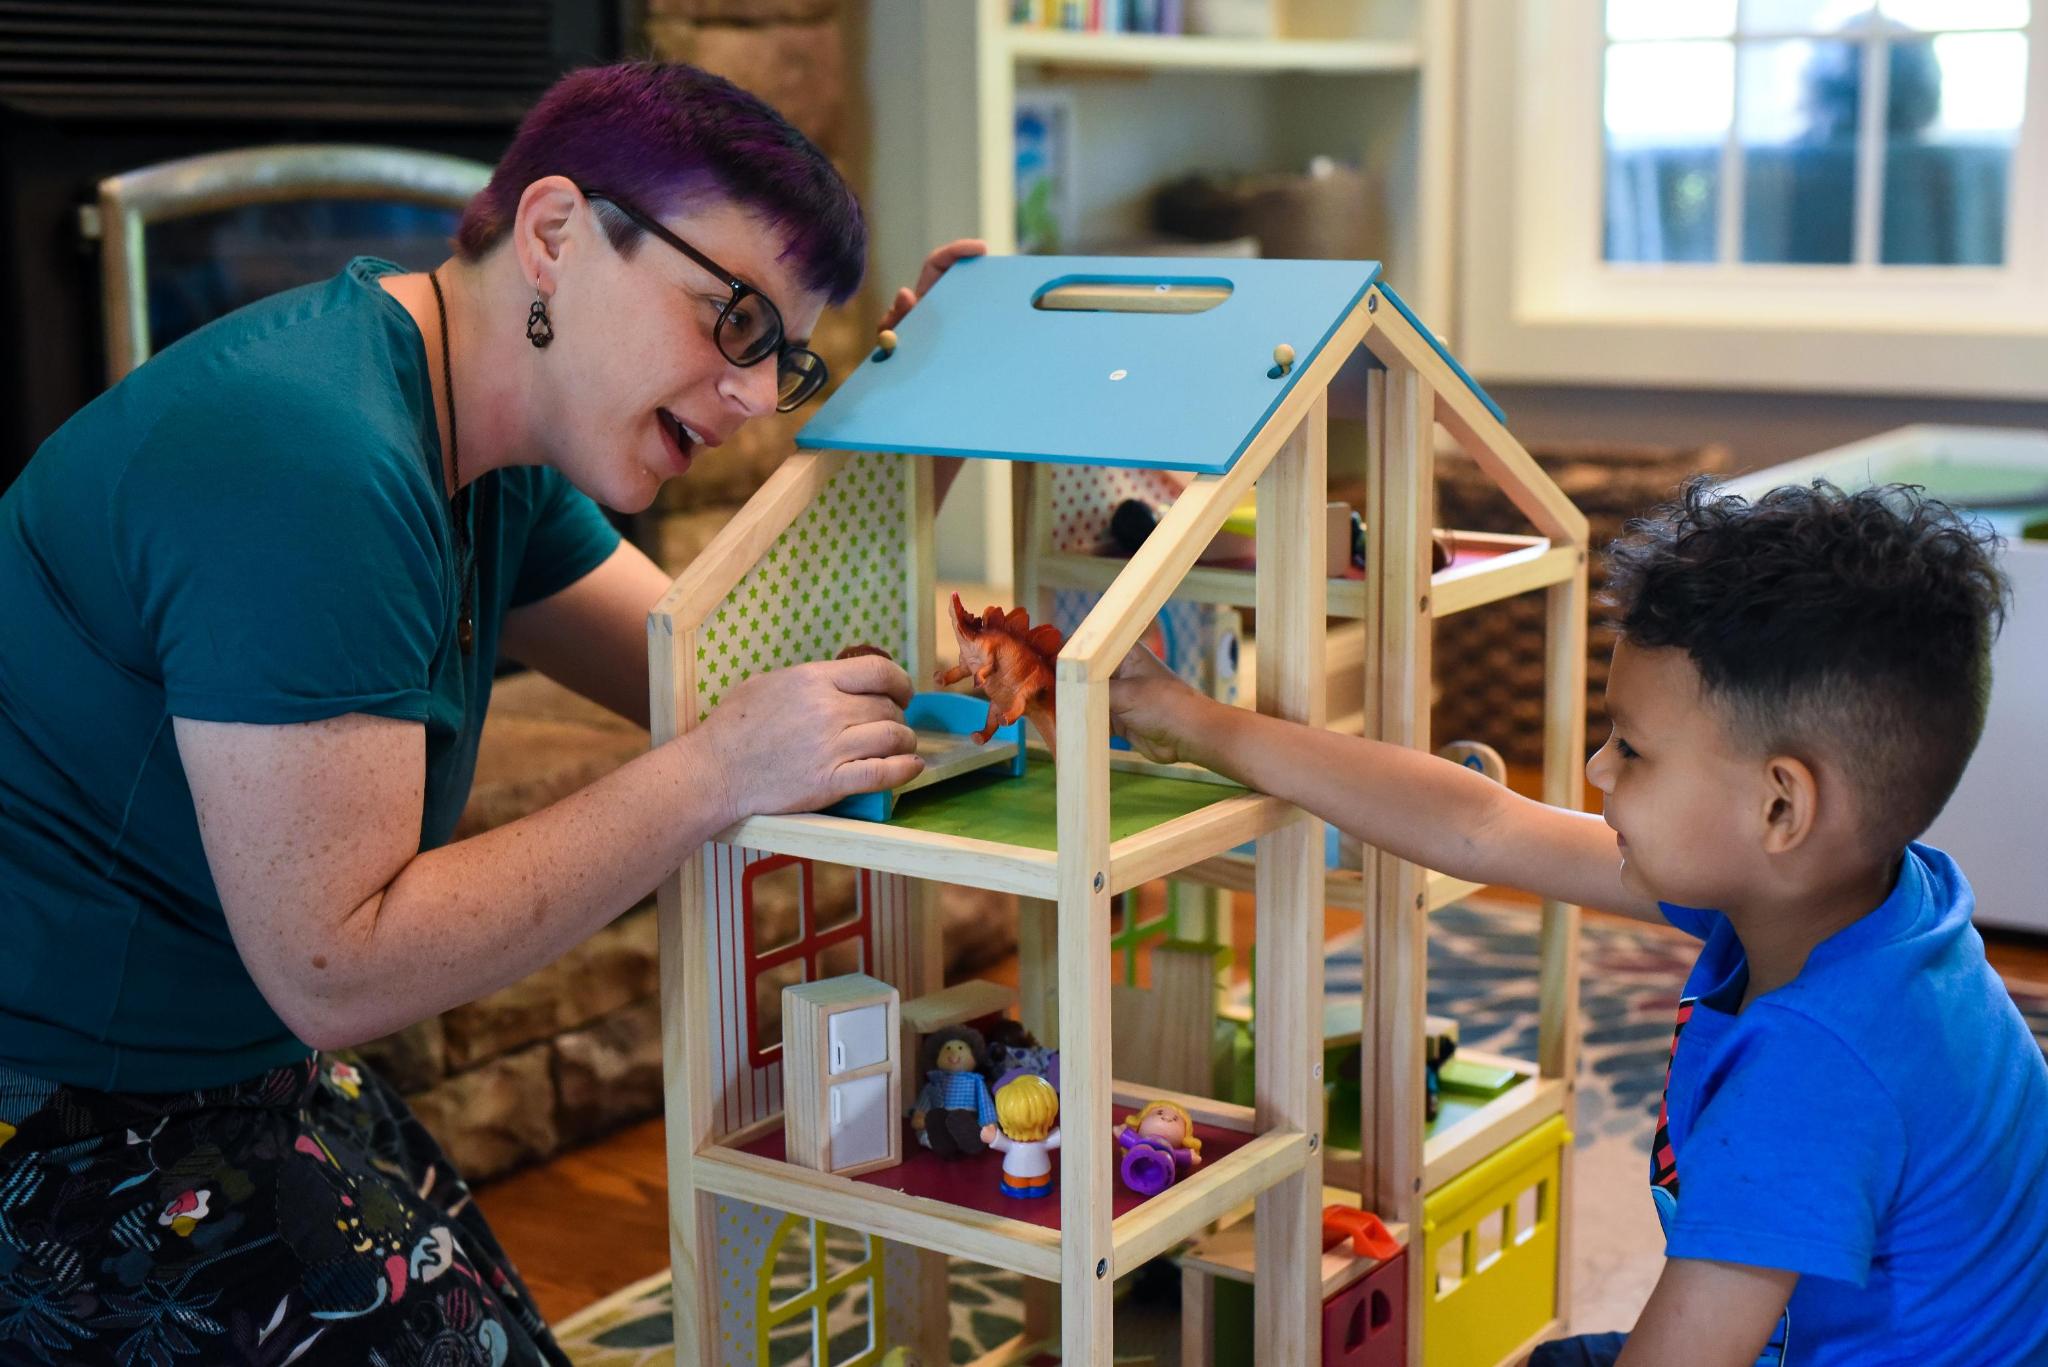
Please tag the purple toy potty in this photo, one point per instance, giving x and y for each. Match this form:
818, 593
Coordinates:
1148, 1164
1160, 1147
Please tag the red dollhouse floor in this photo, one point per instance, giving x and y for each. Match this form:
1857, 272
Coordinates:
972, 1182
1464, 554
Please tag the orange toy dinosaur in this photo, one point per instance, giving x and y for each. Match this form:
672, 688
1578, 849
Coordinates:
1012, 665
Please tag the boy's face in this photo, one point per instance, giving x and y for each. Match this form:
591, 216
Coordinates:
1679, 793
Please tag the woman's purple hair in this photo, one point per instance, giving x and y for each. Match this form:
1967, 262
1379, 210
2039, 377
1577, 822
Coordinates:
661, 134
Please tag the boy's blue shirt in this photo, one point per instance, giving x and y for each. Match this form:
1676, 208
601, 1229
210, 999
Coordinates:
1874, 1125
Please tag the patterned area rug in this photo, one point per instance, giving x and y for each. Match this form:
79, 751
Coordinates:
1482, 973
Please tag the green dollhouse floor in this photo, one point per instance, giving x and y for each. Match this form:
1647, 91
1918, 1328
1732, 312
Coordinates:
1021, 811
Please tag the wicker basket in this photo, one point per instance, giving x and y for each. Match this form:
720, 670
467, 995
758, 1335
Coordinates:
1489, 661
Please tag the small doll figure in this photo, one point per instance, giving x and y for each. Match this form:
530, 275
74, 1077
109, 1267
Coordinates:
954, 1105
1160, 1147
1027, 1108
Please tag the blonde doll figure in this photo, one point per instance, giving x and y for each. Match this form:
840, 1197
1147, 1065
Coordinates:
1160, 1147
1025, 1133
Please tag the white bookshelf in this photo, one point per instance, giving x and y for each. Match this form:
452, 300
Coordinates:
1195, 52
1366, 82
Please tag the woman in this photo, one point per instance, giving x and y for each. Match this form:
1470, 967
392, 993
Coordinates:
250, 604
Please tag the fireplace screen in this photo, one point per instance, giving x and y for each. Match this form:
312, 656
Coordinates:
184, 242
210, 264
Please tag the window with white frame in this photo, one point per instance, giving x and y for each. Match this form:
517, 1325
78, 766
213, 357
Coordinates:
1826, 194
1812, 132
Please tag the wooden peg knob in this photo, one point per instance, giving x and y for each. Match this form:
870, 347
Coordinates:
886, 341
1283, 356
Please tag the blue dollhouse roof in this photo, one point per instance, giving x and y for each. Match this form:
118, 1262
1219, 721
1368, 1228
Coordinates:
981, 370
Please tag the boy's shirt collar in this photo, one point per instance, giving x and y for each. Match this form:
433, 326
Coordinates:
1926, 886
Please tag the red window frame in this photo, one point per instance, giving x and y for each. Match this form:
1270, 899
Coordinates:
809, 946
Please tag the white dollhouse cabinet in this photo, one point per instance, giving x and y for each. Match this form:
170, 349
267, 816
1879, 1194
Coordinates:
841, 1079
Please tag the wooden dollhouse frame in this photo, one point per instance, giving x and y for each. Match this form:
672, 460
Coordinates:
1277, 1159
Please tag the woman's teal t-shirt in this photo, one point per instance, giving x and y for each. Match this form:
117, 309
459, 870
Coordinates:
249, 528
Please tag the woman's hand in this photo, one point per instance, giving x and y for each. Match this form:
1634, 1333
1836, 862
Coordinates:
1156, 711
945, 469
798, 739
935, 265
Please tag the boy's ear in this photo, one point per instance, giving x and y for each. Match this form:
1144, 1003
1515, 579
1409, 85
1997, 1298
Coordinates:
1792, 798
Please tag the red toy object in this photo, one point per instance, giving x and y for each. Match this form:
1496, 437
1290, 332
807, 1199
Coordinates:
1012, 664
1366, 1324
1369, 1238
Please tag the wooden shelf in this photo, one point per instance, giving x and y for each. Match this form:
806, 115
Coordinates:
1219, 818
1513, 564
885, 848
1221, 584
1195, 52
1456, 1147
1158, 828
958, 1231
1232, 1251
1343, 889
1468, 1140
953, 1206
1489, 566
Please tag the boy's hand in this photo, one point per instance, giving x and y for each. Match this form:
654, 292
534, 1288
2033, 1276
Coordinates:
1154, 709
1708, 1314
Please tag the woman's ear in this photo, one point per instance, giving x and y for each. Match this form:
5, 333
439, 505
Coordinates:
1792, 803
541, 229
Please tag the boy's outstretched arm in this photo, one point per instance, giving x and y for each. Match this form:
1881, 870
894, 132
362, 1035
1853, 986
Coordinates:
1708, 1314
1418, 807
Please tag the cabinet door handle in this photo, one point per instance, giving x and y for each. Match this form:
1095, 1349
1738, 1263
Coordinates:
835, 1106
838, 1056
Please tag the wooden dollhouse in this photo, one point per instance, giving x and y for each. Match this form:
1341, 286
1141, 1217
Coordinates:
1228, 371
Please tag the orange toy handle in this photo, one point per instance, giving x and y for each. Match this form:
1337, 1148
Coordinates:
1369, 1237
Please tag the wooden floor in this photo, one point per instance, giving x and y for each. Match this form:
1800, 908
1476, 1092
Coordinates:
587, 1224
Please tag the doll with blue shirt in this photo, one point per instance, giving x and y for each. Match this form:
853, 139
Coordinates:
954, 1104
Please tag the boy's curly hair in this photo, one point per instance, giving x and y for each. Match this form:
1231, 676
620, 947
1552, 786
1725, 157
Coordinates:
1858, 625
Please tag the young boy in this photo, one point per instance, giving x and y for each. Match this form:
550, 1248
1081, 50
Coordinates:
1850, 1166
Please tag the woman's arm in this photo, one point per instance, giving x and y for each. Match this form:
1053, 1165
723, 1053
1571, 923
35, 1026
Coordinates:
312, 832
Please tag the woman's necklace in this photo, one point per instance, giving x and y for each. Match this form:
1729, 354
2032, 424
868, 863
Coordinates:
465, 626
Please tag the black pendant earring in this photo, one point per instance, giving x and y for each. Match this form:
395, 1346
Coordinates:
540, 329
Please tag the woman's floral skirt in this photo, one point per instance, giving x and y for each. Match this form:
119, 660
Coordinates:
302, 1216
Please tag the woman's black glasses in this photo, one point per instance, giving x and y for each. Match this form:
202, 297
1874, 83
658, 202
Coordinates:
749, 328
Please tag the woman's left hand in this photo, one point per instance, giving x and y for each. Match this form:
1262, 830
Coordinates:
945, 469
935, 265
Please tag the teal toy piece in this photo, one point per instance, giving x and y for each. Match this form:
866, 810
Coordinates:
980, 370
960, 714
